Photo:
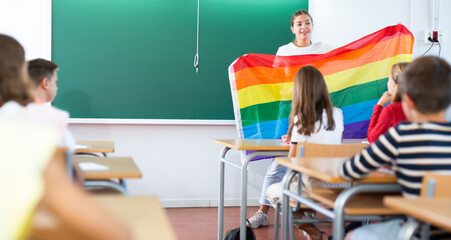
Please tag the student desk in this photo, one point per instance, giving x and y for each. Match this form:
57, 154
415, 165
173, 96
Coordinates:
326, 169
144, 215
119, 167
436, 211
93, 147
261, 147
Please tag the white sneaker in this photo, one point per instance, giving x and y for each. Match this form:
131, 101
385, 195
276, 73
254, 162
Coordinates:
259, 219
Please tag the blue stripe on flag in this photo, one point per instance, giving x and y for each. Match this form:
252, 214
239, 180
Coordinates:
358, 112
266, 130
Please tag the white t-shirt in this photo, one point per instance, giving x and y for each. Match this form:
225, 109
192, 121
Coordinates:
41, 115
321, 135
315, 48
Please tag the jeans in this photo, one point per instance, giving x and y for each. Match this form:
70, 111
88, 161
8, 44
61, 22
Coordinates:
385, 230
274, 174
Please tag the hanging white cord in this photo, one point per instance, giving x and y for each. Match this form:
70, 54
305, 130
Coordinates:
436, 14
196, 57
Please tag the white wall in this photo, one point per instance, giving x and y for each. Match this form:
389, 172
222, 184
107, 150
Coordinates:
179, 162
340, 22
29, 21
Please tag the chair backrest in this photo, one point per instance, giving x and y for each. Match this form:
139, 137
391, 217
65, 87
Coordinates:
328, 150
436, 185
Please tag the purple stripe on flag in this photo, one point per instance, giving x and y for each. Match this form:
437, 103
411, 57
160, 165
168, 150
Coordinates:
357, 130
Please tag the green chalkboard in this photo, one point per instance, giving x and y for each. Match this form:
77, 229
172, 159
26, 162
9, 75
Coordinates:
134, 59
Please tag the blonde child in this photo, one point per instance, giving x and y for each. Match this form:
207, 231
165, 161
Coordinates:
385, 118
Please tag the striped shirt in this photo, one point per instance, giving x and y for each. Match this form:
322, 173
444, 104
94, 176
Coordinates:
412, 149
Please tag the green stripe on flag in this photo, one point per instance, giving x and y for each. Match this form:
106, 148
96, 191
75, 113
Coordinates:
265, 112
359, 93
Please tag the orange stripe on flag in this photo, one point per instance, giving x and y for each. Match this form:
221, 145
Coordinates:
374, 52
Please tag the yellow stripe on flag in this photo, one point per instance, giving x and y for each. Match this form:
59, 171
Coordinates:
266, 93
363, 74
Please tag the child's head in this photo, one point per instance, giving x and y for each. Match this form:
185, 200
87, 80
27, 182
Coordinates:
310, 98
14, 82
43, 74
392, 82
426, 83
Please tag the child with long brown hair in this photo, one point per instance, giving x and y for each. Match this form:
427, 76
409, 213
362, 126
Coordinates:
313, 119
312, 111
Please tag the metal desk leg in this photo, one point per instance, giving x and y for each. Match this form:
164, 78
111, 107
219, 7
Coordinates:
70, 164
244, 166
123, 183
346, 195
276, 220
286, 203
408, 230
243, 208
221, 194
99, 183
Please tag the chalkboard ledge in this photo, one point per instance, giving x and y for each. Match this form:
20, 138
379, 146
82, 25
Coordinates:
149, 121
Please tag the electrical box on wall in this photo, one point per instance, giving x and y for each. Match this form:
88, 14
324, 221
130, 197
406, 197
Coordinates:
434, 35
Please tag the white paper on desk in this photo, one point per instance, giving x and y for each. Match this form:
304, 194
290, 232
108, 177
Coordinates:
79, 146
92, 166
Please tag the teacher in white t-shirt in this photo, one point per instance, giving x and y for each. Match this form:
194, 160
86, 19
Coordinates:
302, 28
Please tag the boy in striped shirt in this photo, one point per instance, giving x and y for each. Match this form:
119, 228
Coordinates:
423, 144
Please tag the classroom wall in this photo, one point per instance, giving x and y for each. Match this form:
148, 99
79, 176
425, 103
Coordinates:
30, 22
180, 163
190, 176
348, 20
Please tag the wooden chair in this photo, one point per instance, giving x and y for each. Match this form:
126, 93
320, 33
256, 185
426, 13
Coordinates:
315, 150
329, 150
434, 186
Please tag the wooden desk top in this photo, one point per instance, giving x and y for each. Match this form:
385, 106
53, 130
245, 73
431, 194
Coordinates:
326, 169
436, 211
119, 167
96, 147
144, 215
254, 144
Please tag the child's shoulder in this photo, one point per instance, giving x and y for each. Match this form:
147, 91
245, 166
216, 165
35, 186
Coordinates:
427, 127
337, 111
393, 106
46, 109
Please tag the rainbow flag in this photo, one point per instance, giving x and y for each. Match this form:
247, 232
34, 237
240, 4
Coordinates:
356, 76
